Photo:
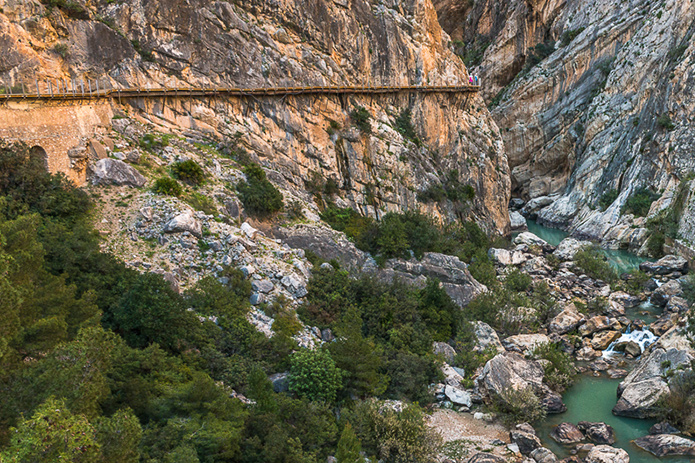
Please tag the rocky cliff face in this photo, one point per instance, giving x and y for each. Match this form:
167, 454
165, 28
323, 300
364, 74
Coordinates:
287, 43
607, 107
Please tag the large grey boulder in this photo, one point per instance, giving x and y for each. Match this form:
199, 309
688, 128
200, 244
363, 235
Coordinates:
511, 371
663, 294
451, 272
566, 321
663, 445
599, 433
529, 239
487, 337
665, 265
543, 455
526, 442
458, 396
523, 343
607, 454
646, 384
185, 222
517, 221
569, 247
114, 172
566, 433
280, 381
445, 350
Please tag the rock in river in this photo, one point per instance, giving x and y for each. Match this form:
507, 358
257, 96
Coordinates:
662, 445
567, 433
607, 454
599, 433
665, 265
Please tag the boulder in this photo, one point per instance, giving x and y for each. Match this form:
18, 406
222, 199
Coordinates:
566, 433
280, 381
185, 222
665, 292
595, 324
603, 339
508, 371
484, 457
262, 286
566, 321
526, 442
663, 428
450, 271
616, 373
599, 433
114, 172
568, 247
525, 342
646, 383
445, 350
625, 299
665, 265
517, 221
543, 455
451, 376
677, 304
607, 454
487, 337
534, 206
500, 256
529, 239
458, 396
663, 445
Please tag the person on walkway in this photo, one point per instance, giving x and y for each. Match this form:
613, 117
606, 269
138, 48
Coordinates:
476, 79
470, 80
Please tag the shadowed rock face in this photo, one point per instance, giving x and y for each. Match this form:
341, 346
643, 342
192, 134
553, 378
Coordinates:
666, 444
260, 43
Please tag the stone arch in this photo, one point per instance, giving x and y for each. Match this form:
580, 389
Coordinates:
37, 150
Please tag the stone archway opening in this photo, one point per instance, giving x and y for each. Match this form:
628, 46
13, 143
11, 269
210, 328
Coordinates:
38, 151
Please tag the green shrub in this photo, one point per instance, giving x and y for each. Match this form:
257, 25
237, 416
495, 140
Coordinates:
560, 372
472, 54
349, 447
167, 186
688, 284
188, 171
639, 202
203, 203
313, 375
404, 125
61, 48
69, 7
607, 199
678, 405
519, 406
151, 143
567, 36
258, 195
517, 281
593, 263
664, 121
395, 437
361, 118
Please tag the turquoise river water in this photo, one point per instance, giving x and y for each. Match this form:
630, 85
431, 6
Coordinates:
592, 398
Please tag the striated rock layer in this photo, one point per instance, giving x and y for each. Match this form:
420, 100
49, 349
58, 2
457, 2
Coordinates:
261, 43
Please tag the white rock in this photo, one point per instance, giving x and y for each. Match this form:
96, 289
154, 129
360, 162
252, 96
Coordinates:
184, 223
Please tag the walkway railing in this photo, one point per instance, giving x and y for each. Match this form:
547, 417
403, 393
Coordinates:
82, 91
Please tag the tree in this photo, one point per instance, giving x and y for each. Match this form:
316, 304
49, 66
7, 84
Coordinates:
119, 437
258, 195
53, 434
349, 447
313, 375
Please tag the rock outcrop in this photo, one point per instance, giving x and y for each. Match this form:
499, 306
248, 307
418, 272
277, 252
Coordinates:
607, 454
114, 172
566, 433
663, 445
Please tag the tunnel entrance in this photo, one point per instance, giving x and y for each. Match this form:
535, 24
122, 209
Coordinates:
38, 151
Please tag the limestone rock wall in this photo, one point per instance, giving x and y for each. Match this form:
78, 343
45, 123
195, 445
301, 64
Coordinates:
609, 108
261, 43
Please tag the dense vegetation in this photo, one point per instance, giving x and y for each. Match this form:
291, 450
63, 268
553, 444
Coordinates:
100, 363
639, 202
259, 196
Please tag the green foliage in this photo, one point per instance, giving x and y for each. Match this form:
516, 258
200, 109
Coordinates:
519, 406
472, 54
349, 447
395, 437
639, 202
594, 264
119, 436
404, 125
61, 48
688, 284
259, 196
664, 121
678, 405
71, 8
188, 171
569, 35
560, 371
451, 189
167, 186
201, 202
313, 375
151, 142
666, 223
361, 118
53, 433
537, 54
607, 199
517, 281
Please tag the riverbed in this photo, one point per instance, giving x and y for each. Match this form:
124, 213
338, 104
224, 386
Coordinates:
592, 398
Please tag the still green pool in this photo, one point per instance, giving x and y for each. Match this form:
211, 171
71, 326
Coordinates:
622, 261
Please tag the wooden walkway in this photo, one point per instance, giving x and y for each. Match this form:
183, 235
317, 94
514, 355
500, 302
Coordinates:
79, 92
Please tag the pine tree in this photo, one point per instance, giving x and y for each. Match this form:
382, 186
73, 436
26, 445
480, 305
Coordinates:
349, 447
